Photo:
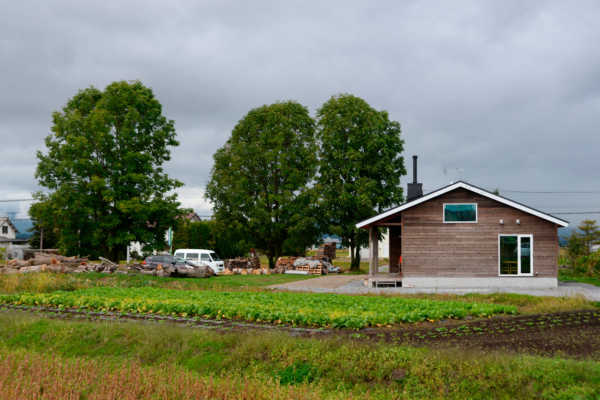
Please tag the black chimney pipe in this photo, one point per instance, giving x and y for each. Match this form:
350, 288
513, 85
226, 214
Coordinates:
415, 189
414, 169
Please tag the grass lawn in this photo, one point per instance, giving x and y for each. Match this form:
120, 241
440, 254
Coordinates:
306, 309
134, 360
570, 275
44, 282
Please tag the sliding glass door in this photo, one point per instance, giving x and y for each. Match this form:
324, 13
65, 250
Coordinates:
516, 255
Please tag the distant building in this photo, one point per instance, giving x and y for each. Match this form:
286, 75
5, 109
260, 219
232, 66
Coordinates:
330, 239
192, 217
8, 230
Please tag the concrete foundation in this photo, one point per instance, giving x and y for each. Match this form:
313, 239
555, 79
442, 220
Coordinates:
517, 282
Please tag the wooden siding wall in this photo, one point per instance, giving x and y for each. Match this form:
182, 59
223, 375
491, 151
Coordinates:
432, 248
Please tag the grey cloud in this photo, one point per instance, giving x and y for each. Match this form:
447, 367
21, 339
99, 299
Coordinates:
508, 92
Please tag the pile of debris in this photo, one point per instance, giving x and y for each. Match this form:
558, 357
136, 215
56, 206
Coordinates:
46, 262
327, 250
317, 265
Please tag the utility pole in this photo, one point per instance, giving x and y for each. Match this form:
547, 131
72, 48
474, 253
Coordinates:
41, 239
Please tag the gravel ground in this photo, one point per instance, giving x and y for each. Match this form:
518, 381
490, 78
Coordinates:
354, 284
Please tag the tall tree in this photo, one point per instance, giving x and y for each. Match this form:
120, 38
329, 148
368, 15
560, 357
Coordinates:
590, 234
360, 166
104, 171
261, 179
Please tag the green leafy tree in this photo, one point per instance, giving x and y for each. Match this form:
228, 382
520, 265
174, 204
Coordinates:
590, 234
575, 247
260, 184
360, 166
43, 216
103, 169
192, 234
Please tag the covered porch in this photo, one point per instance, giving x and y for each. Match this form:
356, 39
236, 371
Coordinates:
393, 276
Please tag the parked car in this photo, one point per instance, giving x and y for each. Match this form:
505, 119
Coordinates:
202, 257
164, 260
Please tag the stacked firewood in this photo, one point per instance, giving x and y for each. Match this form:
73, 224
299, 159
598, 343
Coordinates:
245, 265
246, 271
327, 250
284, 263
237, 263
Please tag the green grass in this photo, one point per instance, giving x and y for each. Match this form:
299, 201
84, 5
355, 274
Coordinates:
525, 304
570, 275
47, 282
325, 368
306, 309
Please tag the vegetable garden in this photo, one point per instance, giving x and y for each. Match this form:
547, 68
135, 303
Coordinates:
304, 309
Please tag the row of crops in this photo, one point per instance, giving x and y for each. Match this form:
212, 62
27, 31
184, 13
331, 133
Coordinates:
307, 309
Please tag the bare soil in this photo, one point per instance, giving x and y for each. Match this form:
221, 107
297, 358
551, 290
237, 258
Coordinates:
573, 334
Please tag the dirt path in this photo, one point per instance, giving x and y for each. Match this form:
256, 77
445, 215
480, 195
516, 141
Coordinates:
322, 282
572, 334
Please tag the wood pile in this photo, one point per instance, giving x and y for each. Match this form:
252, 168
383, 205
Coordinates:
327, 250
238, 263
316, 265
284, 263
45, 262
246, 271
244, 265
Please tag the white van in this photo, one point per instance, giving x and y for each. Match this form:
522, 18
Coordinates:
201, 257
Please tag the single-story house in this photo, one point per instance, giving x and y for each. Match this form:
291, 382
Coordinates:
462, 236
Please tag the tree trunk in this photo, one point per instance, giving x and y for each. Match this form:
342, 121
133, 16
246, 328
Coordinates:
354, 255
271, 262
117, 253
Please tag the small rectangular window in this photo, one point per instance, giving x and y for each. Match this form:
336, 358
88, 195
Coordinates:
191, 256
5, 230
456, 213
205, 257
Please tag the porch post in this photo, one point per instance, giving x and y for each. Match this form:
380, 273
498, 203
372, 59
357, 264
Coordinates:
373, 251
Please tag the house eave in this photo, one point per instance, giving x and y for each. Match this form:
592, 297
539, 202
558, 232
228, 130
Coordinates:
462, 185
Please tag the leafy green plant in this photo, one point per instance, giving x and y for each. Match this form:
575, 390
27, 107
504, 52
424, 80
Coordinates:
306, 309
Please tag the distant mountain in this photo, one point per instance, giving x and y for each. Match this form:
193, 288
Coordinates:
563, 235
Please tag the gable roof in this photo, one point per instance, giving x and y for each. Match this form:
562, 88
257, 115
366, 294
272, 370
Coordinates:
467, 186
8, 220
24, 227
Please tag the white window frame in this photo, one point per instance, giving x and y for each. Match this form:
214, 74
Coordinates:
519, 236
460, 222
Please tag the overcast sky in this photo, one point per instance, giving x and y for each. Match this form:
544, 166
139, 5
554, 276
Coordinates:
503, 94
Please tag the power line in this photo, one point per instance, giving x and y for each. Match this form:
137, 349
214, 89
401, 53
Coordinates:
575, 212
12, 200
551, 192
